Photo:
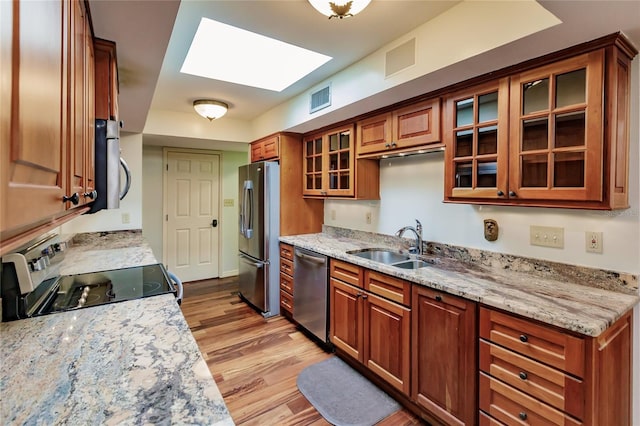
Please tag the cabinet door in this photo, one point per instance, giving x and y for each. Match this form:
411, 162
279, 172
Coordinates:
387, 341
444, 379
345, 318
340, 163
313, 165
374, 134
90, 108
265, 149
34, 111
476, 141
556, 150
417, 124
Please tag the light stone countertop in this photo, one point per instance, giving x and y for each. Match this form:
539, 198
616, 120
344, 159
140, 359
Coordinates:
582, 309
128, 363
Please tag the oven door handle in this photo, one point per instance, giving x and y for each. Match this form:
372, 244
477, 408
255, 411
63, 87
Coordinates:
178, 284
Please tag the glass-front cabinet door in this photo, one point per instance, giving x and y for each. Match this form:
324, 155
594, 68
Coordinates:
476, 138
556, 146
340, 165
313, 163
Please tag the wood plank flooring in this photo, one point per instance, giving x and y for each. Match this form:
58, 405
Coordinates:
254, 361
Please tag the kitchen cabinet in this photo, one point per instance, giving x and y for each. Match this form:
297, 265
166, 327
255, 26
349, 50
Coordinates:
401, 130
106, 80
368, 327
331, 170
44, 92
265, 149
286, 280
533, 372
444, 355
551, 135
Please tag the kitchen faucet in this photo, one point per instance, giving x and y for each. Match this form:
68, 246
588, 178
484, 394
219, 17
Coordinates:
417, 249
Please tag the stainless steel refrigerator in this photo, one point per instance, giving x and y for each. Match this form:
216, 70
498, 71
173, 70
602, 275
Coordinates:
259, 222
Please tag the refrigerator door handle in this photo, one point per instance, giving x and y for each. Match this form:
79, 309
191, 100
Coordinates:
249, 261
247, 207
319, 260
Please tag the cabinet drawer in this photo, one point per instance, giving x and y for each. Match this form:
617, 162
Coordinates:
286, 302
512, 407
347, 272
486, 420
286, 251
286, 266
286, 283
543, 382
543, 343
389, 287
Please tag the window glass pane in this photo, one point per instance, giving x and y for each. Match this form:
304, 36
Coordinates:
344, 140
568, 169
463, 175
464, 112
309, 182
571, 88
318, 181
488, 107
570, 129
487, 176
333, 161
535, 134
318, 161
344, 160
344, 180
488, 140
534, 171
464, 143
333, 180
318, 145
309, 147
535, 96
309, 164
333, 142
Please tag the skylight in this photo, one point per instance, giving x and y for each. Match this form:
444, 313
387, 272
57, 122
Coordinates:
223, 52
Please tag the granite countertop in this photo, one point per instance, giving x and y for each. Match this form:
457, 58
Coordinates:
132, 362
582, 309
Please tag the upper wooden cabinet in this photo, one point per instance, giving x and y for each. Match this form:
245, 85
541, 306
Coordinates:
265, 149
555, 135
106, 78
330, 169
46, 116
405, 129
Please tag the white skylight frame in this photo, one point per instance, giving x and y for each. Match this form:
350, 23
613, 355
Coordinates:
224, 52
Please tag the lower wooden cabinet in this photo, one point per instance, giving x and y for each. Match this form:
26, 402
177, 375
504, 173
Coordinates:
345, 319
444, 370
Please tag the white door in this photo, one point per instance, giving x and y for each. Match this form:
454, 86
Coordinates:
192, 215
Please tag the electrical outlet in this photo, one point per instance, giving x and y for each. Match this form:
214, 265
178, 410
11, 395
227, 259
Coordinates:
593, 242
368, 218
333, 214
546, 236
125, 218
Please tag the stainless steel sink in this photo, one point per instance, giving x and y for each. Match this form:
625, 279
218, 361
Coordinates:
385, 256
412, 264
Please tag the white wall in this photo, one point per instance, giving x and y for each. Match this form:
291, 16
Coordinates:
112, 220
152, 205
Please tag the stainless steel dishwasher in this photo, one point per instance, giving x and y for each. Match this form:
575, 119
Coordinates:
310, 292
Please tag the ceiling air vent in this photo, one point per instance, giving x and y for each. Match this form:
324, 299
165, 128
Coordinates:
400, 57
320, 99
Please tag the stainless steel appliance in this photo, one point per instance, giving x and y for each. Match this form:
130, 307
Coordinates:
31, 285
259, 221
108, 191
311, 292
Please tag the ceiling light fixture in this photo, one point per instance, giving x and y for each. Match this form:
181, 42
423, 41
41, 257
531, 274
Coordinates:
210, 109
339, 8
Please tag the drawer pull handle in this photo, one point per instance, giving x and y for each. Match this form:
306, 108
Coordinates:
524, 338
522, 415
523, 375
438, 298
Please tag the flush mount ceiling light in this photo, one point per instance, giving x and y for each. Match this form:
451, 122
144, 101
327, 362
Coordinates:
339, 8
210, 109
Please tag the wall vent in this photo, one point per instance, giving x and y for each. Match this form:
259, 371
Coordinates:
320, 99
400, 57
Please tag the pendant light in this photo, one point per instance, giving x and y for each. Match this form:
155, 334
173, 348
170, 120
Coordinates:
339, 8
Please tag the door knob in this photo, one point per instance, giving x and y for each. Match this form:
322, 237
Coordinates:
75, 198
214, 223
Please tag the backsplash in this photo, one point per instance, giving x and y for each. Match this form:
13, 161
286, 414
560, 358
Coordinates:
598, 278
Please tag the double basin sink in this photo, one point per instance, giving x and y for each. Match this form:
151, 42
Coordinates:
390, 257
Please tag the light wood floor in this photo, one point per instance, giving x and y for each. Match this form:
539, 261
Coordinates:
254, 361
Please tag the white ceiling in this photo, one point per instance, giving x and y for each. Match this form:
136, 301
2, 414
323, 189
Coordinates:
153, 37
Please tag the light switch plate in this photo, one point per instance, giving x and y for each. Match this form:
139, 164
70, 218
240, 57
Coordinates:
546, 236
228, 202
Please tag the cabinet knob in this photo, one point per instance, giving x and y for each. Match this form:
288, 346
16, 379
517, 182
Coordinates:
365, 295
92, 195
75, 198
500, 194
522, 415
524, 338
512, 194
523, 375
438, 298
387, 145
393, 144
